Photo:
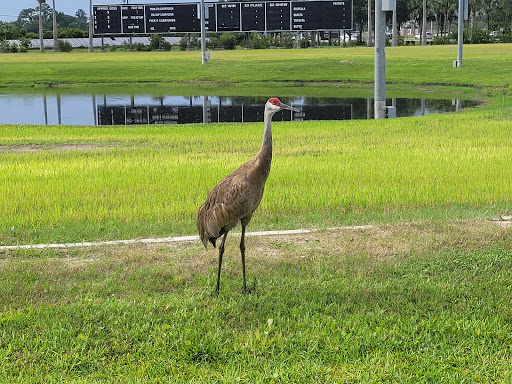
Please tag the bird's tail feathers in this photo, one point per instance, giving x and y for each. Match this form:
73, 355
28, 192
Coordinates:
201, 227
204, 231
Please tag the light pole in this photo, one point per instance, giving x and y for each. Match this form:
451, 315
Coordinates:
460, 33
380, 61
202, 14
463, 14
380, 108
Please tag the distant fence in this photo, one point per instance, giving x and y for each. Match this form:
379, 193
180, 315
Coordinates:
97, 41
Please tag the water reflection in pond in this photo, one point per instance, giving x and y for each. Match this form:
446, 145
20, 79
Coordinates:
116, 109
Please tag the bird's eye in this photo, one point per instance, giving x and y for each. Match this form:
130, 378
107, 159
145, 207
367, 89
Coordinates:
274, 101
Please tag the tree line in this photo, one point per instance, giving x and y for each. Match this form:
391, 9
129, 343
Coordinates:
27, 24
485, 16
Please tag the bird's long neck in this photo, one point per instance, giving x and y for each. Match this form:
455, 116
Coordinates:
266, 146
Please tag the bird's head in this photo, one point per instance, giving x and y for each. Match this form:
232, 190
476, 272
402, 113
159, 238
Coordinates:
275, 105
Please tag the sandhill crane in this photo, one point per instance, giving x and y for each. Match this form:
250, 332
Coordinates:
238, 195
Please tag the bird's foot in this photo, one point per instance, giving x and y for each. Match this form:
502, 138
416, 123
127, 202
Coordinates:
246, 289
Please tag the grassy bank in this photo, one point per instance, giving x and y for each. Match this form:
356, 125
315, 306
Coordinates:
484, 65
90, 183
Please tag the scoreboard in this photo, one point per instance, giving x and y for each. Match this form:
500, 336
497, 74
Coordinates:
255, 16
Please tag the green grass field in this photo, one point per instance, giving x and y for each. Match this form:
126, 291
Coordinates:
484, 65
65, 184
423, 296
426, 302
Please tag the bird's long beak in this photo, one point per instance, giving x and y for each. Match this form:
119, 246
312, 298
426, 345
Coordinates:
286, 106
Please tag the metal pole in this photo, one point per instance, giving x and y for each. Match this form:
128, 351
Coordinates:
91, 30
204, 58
380, 61
460, 34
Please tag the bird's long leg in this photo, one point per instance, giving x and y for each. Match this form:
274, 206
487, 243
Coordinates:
242, 251
221, 252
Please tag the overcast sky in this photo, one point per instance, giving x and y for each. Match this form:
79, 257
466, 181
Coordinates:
10, 9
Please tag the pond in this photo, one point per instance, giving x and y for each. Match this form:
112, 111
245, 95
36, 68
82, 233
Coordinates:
125, 108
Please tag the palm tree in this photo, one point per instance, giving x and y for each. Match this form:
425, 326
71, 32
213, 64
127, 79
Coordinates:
55, 42
445, 13
488, 7
424, 24
370, 24
41, 41
91, 32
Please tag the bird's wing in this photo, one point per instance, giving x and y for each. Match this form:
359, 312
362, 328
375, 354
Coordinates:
225, 205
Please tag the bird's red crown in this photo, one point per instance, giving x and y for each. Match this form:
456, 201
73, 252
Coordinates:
274, 101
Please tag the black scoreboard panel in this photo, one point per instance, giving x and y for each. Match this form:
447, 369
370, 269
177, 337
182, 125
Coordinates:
337, 15
210, 17
228, 17
165, 18
321, 15
107, 19
223, 17
253, 16
133, 18
278, 16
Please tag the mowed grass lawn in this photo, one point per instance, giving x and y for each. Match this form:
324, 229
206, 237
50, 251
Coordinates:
423, 302
68, 184
484, 65
422, 296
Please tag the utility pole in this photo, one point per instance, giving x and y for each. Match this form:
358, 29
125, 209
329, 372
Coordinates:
91, 27
462, 15
380, 61
41, 40
55, 35
204, 55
